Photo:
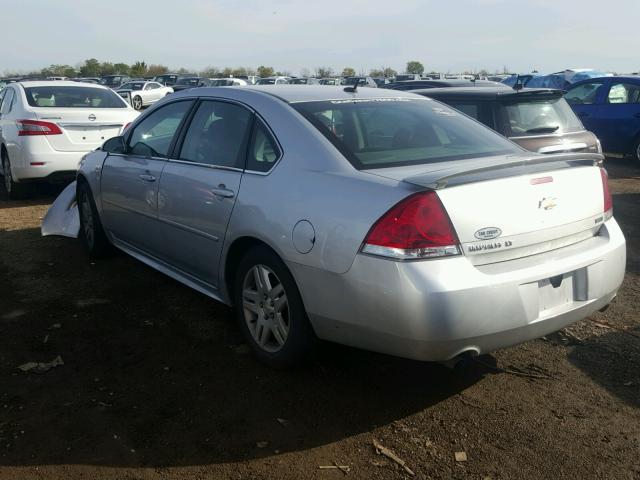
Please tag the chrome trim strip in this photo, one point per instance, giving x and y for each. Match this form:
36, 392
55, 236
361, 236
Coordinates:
206, 165
195, 231
129, 209
94, 125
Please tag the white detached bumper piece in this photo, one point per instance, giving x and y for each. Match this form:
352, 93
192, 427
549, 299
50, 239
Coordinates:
63, 218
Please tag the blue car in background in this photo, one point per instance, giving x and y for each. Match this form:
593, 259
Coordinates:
610, 108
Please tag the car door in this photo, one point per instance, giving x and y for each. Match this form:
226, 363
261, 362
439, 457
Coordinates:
586, 99
8, 126
620, 116
129, 181
155, 91
198, 188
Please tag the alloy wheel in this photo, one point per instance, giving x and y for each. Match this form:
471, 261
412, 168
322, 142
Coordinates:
266, 309
137, 103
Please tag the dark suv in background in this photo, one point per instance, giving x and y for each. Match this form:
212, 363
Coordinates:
537, 119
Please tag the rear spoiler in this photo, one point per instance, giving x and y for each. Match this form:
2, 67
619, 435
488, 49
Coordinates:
509, 167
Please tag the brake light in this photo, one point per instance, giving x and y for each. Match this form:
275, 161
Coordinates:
608, 201
37, 127
417, 227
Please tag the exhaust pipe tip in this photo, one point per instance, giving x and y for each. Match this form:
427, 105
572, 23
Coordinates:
462, 359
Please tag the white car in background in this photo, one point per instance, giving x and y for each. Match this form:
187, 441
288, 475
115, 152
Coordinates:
141, 94
46, 127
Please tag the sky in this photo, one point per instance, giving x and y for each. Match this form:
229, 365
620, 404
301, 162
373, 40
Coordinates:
290, 35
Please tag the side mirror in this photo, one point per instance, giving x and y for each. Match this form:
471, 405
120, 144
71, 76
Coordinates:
114, 145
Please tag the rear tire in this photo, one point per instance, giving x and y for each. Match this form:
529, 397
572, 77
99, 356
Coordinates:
635, 154
92, 234
14, 190
270, 311
136, 103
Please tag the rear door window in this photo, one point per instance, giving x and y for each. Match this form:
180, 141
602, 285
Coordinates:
624, 93
217, 135
584, 94
7, 102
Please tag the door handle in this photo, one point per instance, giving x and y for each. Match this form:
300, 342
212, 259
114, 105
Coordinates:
223, 192
147, 177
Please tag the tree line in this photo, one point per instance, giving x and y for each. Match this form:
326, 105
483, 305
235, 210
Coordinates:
94, 68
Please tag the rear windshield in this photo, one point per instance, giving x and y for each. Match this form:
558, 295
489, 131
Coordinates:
539, 117
73, 97
392, 132
111, 81
132, 86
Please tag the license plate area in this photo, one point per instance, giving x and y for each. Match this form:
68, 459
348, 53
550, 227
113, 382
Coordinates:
555, 292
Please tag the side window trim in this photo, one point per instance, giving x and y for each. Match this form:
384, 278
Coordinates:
624, 84
140, 119
8, 96
257, 122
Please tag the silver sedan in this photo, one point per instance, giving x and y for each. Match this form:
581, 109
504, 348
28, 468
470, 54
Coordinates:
373, 218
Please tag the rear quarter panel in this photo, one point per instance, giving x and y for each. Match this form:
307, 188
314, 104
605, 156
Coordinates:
312, 182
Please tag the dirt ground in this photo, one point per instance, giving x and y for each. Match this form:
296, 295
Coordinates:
157, 384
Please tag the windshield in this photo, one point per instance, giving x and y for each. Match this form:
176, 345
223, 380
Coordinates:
188, 81
110, 81
132, 86
392, 132
73, 97
536, 117
353, 80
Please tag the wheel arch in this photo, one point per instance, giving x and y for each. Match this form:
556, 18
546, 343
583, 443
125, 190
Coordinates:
238, 248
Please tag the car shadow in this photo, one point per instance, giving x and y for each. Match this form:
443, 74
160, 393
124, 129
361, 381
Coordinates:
613, 361
39, 194
156, 374
625, 210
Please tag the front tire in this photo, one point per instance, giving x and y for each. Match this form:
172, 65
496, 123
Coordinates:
137, 102
270, 311
92, 234
14, 190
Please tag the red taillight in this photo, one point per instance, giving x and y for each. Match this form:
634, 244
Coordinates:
417, 227
37, 127
608, 201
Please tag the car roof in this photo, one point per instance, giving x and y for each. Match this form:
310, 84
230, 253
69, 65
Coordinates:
635, 78
314, 93
487, 93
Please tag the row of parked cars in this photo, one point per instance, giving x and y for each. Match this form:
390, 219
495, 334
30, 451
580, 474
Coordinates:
375, 218
594, 116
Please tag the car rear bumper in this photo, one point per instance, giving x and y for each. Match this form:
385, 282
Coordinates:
46, 163
435, 310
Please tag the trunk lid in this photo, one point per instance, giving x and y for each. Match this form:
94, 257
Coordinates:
511, 207
84, 129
